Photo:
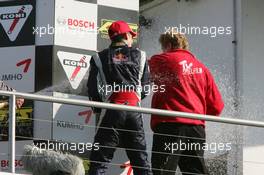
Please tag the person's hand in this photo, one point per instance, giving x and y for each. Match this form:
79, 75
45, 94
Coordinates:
19, 102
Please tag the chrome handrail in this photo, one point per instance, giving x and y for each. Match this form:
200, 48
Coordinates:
38, 97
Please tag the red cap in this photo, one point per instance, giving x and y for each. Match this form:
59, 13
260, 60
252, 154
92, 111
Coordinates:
120, 27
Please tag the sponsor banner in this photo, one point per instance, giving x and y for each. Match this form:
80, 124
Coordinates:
4, 158
124, 169
74, 124
75, 66
71, 70
127, 168
86, 164
106, 16
76, 28
17, 20
123, 4
123, 166
18, 67
24, 122
105, 24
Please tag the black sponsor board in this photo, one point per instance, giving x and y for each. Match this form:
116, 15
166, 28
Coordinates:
70, 70
62, 69
43, 70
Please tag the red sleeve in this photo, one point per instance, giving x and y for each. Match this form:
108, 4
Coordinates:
214, 100
157, 67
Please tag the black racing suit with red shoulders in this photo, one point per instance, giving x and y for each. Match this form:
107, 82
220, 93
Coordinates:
119, 75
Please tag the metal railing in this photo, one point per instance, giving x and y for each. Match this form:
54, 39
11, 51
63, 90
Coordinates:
12, 114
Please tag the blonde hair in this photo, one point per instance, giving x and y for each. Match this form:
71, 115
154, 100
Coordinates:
177, 40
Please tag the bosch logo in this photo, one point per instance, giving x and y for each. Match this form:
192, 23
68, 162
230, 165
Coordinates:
76, 23
81, 23
75, 63
4, 163
13, 16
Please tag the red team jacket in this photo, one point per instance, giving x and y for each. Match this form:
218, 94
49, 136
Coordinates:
188, 86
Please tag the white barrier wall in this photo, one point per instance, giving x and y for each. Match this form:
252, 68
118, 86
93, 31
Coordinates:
253, 84
218, 53
216, 50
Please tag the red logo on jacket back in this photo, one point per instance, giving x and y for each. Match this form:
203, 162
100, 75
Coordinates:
187, 69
